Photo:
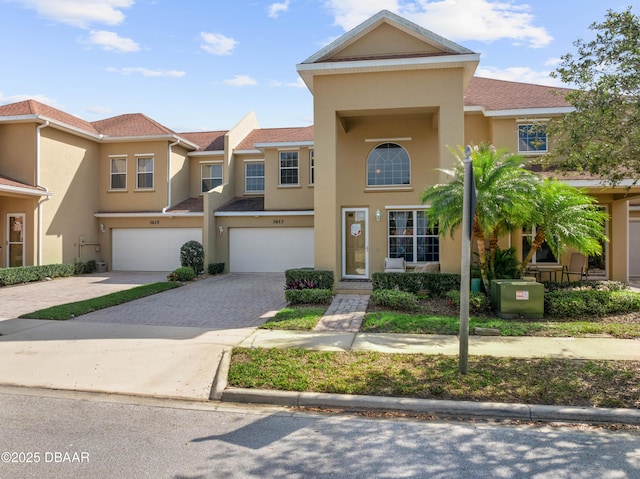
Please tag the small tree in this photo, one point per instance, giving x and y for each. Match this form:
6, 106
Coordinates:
192, 255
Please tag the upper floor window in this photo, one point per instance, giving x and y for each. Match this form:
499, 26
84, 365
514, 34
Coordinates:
388, 164
289, 168
211, 176
532, 138
118, 174
254, 177
144, 179
312, 168
412, 238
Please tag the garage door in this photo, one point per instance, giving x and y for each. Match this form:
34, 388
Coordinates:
146, 249
268, 250
634, 248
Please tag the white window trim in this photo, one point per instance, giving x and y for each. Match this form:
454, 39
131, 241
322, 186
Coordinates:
413, 210
531, 152
138, 173
388, 187
254, 192
280, 168
532, 234
312, 168
202, 178
126, 165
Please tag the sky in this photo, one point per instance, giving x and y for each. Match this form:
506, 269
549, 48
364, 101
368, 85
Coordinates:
203, 65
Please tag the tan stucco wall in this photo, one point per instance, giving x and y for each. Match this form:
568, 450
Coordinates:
18, 152
287, 197
130, 199
195, 172
180, 175
239, 162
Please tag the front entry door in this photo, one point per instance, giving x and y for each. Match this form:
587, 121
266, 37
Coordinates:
355, 243
15, 239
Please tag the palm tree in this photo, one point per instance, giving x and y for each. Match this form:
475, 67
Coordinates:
505, 193
566, 217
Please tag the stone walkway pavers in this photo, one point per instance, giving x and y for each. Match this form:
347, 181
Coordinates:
345, 313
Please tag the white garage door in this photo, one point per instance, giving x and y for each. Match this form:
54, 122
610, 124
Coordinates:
634, 248
150, 249
269, 250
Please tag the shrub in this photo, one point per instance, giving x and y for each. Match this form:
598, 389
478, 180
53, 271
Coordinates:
436, 284
395, 299
321, 278
479, 303
192, 256
215, 268
186, 273
308, 296
26, 274
585, 285
85, 268
590, 302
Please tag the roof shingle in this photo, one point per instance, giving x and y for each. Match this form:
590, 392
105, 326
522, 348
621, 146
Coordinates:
32, 107
507, 95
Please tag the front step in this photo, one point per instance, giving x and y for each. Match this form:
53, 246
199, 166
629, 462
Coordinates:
354, 287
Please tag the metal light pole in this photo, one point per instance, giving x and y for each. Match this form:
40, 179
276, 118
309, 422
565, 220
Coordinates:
468, 209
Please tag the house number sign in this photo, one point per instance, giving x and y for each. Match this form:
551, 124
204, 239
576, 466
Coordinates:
154, 222
278, 222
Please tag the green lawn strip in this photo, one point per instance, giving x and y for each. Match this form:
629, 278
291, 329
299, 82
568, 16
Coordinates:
532, 381
301, 318
393, 322
72, 310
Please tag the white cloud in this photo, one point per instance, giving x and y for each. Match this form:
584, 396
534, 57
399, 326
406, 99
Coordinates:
519, 74
276, 9
80, 13
5, 100
241, 80
553, 62
217, 44
111, 41
459, 20
299, 83
147, 72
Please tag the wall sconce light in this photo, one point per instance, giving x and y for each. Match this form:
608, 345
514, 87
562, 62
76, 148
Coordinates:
101, 227
220, 230
377, 215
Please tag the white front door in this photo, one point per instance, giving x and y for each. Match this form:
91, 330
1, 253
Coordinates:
15, 239
355, 243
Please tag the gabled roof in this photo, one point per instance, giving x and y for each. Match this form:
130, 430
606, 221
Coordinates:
499, 95
12, 186
421, 49
206, 140
34, 108
276, 136
132, 124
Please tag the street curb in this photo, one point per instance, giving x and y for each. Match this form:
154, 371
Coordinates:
443, 408
220, 379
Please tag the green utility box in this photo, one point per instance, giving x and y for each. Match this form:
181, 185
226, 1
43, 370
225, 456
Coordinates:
515, 298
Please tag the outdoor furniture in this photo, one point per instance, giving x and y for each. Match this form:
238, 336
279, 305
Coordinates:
394, 265
577, 266
432, 267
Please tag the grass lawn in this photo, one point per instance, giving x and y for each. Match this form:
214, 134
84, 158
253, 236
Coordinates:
301, 318
394, 322
72, 310
532, 381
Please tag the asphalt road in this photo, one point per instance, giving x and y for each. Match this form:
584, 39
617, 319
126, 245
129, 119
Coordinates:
73, 435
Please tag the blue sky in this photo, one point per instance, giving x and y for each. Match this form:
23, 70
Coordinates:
203, 65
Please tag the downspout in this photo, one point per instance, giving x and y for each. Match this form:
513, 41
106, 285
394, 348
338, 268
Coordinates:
171, 145
46, 198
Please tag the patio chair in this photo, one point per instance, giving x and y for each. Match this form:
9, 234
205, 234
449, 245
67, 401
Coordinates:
394, 265
578, 266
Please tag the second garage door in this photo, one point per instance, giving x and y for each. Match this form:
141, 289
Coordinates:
150, 249
270, 250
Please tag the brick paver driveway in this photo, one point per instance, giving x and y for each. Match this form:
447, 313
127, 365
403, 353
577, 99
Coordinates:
227, 301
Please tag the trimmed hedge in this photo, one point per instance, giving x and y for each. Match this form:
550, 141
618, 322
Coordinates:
27, 274
215, 268
321, 279
589, 302
436, 284
186, 273
309, 296
394, 299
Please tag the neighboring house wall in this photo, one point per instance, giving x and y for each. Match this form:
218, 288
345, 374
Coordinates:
180, 175
279, 196
18, 152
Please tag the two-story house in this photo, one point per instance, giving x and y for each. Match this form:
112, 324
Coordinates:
390, 99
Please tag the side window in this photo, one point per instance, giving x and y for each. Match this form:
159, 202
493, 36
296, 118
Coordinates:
532, 138
289, 166
211, 176
118, 174
254, 177
144, 175
388, 165
312, 167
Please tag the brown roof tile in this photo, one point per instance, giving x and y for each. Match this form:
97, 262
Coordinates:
190, 205
6, 181
253, 203
276, 135
32, 107
507, 95
131, 124
206, 140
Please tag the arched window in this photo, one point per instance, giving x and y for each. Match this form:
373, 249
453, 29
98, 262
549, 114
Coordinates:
388, 164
